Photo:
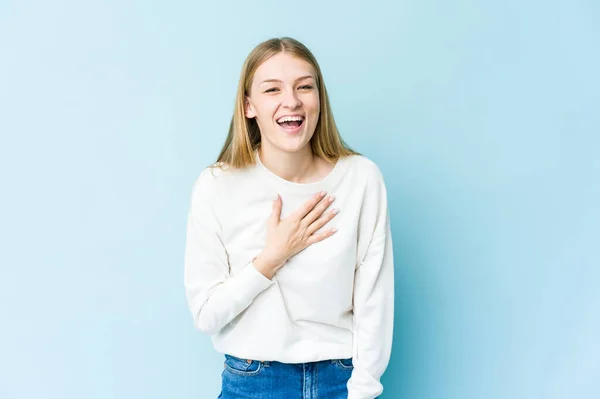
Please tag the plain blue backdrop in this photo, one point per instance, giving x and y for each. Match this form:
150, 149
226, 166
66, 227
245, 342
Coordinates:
483, 116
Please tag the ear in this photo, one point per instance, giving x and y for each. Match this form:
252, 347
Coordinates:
249, 109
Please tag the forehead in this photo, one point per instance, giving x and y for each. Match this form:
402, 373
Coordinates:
284, 67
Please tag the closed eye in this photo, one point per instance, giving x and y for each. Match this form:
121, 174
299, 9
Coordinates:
303, 87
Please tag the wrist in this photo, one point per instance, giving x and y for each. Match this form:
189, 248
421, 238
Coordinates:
266, 265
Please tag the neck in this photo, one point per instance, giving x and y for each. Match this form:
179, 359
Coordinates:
296, 167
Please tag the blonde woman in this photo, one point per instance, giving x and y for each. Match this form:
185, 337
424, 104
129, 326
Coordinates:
288, 259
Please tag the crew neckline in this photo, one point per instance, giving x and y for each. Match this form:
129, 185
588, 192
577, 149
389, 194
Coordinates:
302, 188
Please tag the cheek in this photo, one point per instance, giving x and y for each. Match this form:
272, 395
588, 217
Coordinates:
268, 108
315, 103
265, 112
316, 108
311, 103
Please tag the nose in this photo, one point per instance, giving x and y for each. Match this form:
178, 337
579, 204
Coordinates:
291, 100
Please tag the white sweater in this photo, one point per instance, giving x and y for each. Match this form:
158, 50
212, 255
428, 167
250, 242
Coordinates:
335, 299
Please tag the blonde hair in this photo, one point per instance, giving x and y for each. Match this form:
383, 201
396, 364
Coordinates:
244, 135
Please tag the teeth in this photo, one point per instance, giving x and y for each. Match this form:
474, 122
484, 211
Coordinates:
289, 118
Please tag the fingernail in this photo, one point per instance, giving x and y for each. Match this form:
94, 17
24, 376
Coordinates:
322, 193
334, 230
330, 199
336, 210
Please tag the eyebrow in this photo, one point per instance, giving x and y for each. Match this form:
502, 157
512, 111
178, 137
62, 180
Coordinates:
279, 81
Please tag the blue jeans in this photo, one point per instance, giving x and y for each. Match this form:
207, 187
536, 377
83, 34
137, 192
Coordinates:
252, 379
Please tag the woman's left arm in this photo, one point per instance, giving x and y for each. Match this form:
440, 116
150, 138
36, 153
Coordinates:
373, 293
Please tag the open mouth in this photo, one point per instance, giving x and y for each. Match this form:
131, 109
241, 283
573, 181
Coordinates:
291, 124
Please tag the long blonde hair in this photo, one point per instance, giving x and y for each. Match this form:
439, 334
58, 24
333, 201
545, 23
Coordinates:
244, 134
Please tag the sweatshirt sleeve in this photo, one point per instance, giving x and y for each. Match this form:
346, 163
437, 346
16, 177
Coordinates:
373, 300
215, 296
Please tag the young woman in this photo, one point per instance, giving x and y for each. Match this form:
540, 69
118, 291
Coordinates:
299, 298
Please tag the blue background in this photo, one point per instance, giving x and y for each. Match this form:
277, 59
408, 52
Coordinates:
484, 117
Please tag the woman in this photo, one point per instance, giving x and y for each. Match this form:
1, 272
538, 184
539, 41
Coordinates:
298, 299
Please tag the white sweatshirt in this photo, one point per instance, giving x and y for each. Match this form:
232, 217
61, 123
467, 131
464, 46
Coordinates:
335, 299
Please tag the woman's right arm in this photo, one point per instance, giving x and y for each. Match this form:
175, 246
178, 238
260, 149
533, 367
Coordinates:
214, 295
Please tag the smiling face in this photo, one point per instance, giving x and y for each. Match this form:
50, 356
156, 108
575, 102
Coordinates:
284, 100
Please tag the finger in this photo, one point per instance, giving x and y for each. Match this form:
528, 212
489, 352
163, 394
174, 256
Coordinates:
318, 210
301, 212
321, 236
276, 211
322, 221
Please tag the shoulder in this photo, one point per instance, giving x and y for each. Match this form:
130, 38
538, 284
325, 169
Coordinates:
363, 167
206, 179
207, 182
207, 189
216, 175
220, 178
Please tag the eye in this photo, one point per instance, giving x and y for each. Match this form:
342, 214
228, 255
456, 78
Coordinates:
306, 87
271, 90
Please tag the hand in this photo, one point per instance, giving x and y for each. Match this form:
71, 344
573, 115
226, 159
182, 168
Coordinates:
287, 237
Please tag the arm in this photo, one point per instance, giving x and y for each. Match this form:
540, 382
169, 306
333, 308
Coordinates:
373, 295
214, 295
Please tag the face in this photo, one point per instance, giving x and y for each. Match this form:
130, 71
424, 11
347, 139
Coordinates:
284, 100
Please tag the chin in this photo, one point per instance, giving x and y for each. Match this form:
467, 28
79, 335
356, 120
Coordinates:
289, 144
290, 147
281, 142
